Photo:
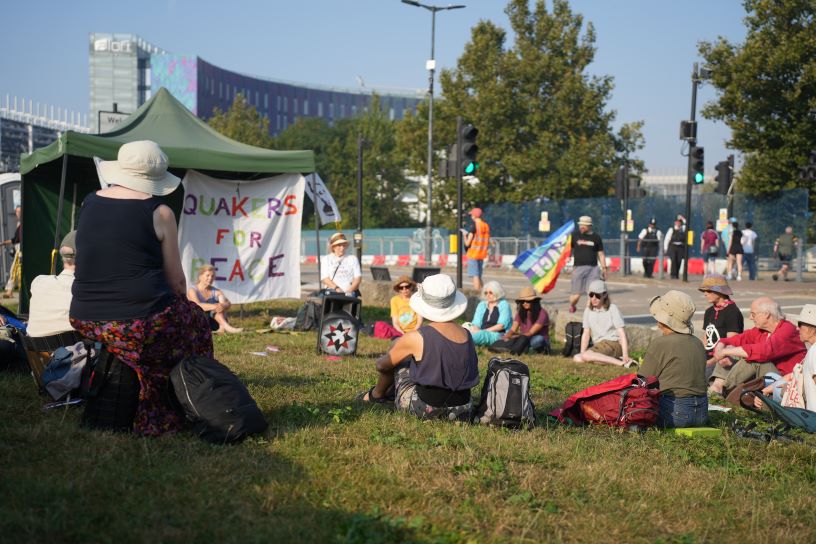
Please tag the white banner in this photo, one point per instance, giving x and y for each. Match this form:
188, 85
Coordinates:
249, 232
324, 204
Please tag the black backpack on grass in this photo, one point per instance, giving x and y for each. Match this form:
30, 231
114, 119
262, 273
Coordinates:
572, 338
505, 399
216, 402
111, 392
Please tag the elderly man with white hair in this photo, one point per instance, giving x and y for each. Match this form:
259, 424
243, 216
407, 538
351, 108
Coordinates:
773, 345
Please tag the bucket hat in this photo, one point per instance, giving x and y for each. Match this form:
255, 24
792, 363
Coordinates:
68, 245
808, 315
337, 239
674, 309
585, 220
141, 166
437, 299
528, 294
596, 286
716, 283
405, 279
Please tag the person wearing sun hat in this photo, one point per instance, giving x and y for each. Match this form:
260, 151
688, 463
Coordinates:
800, 384
130, 292
589, 260
723, 318
530, 329
340, 272
678, 359
429, 372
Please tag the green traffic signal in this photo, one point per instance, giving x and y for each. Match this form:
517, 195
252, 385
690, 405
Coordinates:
470, 168
698, 177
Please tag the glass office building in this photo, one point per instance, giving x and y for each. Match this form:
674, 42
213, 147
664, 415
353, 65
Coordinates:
126, 70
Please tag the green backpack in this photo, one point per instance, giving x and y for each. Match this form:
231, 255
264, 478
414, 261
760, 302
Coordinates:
797, 418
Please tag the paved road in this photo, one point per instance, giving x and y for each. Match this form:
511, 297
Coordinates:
632, 293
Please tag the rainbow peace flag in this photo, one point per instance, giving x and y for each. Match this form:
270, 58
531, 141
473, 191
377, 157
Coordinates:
543, 264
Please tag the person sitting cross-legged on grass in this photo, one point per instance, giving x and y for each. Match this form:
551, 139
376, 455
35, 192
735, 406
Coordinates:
603, 323
429, 372
531, 327
773, 345
678, 359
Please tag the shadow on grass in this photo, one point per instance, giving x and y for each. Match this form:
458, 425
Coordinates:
296, 416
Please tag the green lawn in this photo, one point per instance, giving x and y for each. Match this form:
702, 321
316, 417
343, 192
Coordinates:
330, 470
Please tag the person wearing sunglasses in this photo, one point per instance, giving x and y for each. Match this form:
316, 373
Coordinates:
531, 327
493, 316
403, 318
603, 324
722, 319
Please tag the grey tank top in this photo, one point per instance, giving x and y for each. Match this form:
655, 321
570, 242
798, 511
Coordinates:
445, 363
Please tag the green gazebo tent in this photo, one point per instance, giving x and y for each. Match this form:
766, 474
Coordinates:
56, 178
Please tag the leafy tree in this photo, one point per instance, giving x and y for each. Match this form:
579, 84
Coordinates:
767, 92
242, 123
545, 130
335, 148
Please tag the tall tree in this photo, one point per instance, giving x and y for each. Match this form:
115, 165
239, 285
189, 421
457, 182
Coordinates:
335, 147
767, 92
242, 123
545, 129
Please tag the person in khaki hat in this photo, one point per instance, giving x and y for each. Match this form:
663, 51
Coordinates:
800, 383
678, 359
51, 296
339, 272
403, 318
589, 260
530, 329
723, 318
130, 291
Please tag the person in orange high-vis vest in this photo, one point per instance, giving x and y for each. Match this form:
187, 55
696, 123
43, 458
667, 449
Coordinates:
476, 242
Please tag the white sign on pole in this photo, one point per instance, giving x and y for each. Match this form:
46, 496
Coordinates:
324, 203
249, 232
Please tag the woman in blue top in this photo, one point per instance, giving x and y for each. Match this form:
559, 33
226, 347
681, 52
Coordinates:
493, 316
211, 300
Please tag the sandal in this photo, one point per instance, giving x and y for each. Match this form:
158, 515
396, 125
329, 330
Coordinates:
371, 398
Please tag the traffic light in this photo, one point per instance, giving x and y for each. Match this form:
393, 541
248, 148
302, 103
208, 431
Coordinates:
469, 150
620, 183
724, 174
635, 190
697, 160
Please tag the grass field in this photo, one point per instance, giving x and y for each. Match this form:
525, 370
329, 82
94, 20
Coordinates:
331, 470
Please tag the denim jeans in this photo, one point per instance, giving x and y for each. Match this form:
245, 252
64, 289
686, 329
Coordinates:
749, 260
539, 343
683, 411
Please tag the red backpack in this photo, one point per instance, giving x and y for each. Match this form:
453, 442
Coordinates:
628, 401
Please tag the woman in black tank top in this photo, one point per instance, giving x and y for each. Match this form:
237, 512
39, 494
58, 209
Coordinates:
129, 291
429, 372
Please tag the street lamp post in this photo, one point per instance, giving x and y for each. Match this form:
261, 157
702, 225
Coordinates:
431, 66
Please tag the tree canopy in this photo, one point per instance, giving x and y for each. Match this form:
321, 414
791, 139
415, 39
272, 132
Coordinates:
242, 123
767, 92
544, 126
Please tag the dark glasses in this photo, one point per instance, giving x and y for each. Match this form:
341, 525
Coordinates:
596, 295
524, 302
404, 287
488, 292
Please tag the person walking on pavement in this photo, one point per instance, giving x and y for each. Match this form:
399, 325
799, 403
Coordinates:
783, 250
749, 244
675, 245
649, 239
476, 242
710, 248
589, 260
735, 252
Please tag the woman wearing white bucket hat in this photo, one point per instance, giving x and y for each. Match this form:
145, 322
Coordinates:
430, 371
678, 359
129, 291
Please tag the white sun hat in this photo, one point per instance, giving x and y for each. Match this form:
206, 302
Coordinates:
141, 166
437, 299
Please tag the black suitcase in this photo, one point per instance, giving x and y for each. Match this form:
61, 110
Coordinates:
111, 392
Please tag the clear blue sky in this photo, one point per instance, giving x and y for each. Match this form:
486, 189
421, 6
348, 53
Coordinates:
648, 46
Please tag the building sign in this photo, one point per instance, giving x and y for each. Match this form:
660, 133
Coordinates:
107, 45
110, 120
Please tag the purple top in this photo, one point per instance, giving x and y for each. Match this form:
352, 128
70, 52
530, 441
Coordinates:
445, 363
710, 238
543, 319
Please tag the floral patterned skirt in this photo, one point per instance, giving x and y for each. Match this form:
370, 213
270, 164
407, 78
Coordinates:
152, 346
